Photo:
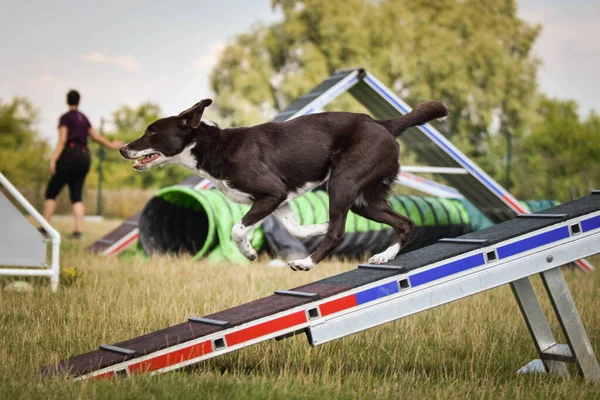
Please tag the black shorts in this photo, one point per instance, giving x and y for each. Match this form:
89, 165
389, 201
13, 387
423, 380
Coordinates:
71, 169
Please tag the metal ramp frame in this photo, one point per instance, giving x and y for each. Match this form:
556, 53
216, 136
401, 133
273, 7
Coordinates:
371, 295
21, 244
429, 144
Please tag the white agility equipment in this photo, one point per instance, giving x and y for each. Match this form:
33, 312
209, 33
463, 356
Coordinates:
21, 244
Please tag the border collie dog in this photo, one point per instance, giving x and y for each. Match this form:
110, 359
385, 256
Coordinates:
268, 165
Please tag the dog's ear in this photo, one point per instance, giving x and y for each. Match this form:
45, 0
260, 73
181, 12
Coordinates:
193, 115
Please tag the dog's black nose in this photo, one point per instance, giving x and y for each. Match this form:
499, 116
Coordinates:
123, 150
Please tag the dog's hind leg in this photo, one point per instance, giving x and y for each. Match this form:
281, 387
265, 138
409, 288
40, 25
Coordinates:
286, 216
379, 210
261, 208
340, 200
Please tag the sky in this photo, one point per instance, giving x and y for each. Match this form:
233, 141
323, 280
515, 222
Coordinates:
128, 51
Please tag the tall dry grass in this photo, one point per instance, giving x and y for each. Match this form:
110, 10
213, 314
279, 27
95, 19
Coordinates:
467, 349
121, 203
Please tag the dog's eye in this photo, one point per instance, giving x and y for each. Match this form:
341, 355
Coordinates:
150, 133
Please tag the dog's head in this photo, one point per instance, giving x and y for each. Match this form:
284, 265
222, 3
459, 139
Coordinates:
165, 138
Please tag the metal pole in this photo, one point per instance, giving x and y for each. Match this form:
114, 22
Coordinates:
507, 182
100, 172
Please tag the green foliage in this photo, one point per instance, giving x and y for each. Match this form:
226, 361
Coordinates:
25, 156
559, 159
473, 55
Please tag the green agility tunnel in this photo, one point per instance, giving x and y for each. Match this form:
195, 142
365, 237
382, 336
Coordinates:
179, 219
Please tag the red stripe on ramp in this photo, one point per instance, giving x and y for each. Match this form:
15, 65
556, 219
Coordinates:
176, 357
338, 305
123, 245
104, 376
266, 328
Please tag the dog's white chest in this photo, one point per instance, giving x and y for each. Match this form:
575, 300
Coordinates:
186, 159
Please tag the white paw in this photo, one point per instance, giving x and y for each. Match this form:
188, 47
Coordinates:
386, 255
250, 254
239, 234
305, 264
379, 259
247, 250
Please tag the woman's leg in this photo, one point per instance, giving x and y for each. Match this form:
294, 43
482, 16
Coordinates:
78, 213
76, 191
49, 208
54, 187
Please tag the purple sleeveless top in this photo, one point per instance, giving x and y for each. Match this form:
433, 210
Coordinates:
77, 127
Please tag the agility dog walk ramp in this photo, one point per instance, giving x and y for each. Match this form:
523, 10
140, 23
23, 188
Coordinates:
371, 295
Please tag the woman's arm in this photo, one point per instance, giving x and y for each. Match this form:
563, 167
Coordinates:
96, 137
60, 145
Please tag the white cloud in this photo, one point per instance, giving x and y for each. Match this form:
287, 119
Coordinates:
208, 60
126, 62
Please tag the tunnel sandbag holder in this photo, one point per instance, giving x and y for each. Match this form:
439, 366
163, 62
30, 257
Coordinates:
297, 293
117, 349
562, 217
208, 321
480, 242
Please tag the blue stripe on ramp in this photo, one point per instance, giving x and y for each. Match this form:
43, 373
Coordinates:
444, 270
590, 224
532, 242
377, 292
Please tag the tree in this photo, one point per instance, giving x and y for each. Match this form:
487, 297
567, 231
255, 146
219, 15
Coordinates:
559, 159
25, 156
473, 55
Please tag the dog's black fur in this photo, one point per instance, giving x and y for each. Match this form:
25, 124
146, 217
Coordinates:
268, 162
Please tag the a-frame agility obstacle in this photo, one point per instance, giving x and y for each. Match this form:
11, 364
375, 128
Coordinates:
431, 147
371, 295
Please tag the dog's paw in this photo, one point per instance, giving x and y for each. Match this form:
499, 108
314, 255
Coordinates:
379, 259
305, 264
250, 254
385, 256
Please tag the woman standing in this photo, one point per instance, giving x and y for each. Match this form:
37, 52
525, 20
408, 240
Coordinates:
71, 160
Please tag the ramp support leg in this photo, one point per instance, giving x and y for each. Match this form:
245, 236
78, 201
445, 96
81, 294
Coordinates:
536, 321
571, 324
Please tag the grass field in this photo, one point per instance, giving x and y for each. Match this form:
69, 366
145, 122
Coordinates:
467, 349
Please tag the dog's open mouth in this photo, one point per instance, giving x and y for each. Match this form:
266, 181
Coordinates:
141, 162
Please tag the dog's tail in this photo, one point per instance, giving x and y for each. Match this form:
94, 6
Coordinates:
421, 114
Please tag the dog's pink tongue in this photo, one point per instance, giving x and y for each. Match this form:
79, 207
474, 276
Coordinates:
149, 158
139, 164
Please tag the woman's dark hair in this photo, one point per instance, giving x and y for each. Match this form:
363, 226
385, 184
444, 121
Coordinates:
73, 98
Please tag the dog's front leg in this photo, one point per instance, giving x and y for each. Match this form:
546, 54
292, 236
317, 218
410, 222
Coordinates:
260, 209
